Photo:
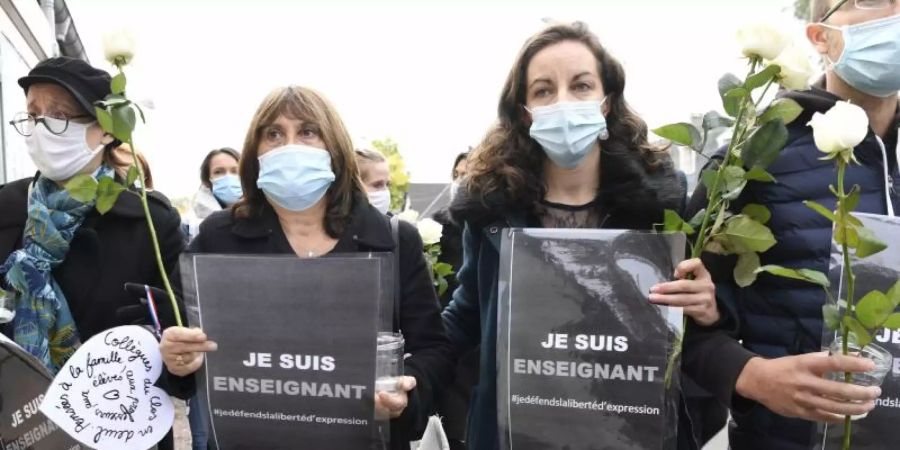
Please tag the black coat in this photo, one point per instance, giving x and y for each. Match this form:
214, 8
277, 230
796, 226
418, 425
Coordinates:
635, 198
107, 252
431, 362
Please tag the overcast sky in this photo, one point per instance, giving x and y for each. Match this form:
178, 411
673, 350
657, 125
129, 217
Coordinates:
427, 74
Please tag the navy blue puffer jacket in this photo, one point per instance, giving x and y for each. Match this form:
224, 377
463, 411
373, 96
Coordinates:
776, 316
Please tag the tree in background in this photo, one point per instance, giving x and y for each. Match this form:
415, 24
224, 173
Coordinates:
801, 9
399, 174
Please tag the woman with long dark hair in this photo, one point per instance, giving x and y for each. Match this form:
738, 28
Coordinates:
566, 152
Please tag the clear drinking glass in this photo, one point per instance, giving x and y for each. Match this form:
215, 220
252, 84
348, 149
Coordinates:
388, 361
877, 354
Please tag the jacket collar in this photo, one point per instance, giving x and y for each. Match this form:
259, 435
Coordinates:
367, 229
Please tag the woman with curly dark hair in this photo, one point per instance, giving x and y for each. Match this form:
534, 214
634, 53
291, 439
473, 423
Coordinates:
566, 152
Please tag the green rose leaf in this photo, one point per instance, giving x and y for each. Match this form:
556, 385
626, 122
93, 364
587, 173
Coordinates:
892, 322
443, 269
811, 276
680, 133
728, 83
746, 235
132, 176
116, 100
716, 246
869, 244
733, 100
697, 220
817, 207
673, 223
758, 213
713, 120
745, 270
873, 309
764, 146
893, 294
816, 277
733, 182
784, 108
124, 121
441, 286
759, 174
832, 316
863, 338
762, 77
708, 178
853, 199
104, 118
118, 84
850, 237
82, 188
720, 218
107, 193
140, 111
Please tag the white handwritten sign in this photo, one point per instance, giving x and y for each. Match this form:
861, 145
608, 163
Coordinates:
104, 396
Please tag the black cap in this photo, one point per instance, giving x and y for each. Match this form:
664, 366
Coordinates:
85, 82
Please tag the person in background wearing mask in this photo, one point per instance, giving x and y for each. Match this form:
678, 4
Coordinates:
451, 238
453, 406
303, 197
773, 382
566, 152
69, 278
220, 186
376, 178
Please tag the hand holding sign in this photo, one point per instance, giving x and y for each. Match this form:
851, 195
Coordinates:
694, 291
104, 396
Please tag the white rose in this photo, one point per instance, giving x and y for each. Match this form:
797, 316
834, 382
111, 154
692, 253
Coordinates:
430, 231
840, 129
409, 215
761, 40
796, 69
118, 47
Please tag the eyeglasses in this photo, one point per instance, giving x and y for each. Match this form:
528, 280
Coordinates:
24, 123
860, 4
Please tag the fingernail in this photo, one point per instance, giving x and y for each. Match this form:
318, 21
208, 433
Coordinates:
214, 346
877, 392
653, 297
654, 289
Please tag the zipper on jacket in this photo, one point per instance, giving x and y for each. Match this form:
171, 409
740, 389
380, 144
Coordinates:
888, 181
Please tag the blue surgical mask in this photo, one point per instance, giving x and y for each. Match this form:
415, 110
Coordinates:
567, 131
227, 189
871, 59
295, 177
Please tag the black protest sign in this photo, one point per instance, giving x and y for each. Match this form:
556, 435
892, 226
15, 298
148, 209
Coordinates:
295, 366
876, 272
23, 382
582, 354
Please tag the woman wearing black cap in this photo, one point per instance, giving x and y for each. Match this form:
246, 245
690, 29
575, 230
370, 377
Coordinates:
65, 264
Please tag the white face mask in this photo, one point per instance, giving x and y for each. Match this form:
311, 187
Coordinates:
60, 157
381, 200
454, 190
